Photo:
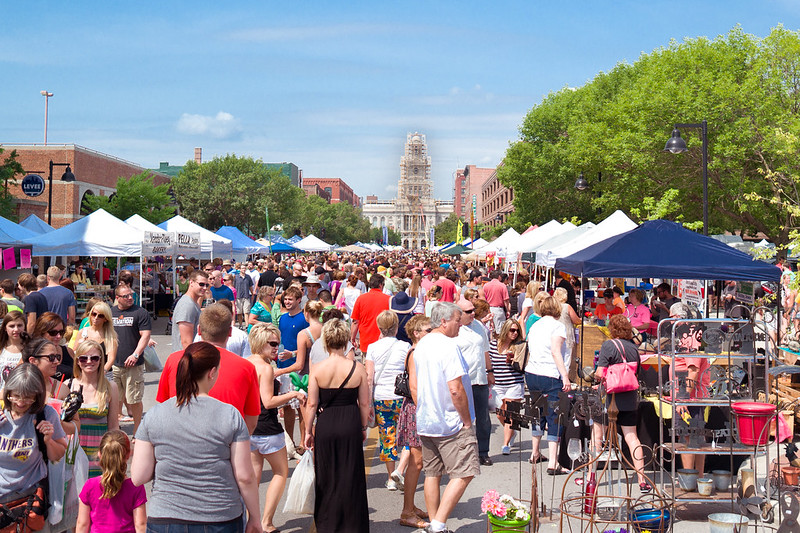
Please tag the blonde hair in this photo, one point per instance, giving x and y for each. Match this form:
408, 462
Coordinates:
387, 323
560, 294
102, 394
550, 307
114, 450
314, 309
533, 288
537, 301
335, 335
110, 338
260, 334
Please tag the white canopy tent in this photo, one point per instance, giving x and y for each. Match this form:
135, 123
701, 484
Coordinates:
211, 244
312, 244
618, 222
530, 240
504, 246
99, 234
141, 223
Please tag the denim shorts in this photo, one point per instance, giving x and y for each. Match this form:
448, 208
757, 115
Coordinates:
550, 388
267, 444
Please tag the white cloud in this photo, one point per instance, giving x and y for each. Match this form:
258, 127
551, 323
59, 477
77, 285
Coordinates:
221, 126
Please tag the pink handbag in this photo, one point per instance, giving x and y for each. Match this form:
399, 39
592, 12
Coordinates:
621, 377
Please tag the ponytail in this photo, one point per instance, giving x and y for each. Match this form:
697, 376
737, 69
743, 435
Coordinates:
197, 359
114, 449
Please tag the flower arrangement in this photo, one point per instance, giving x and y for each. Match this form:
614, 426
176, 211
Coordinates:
504, 507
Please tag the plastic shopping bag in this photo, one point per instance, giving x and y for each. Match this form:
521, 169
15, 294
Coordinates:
57, 479
151, 361
300, 496
77, 472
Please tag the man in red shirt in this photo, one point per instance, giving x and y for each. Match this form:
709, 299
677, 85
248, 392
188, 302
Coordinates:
426, 280
449, 289
366, 310
237, 384
496, 295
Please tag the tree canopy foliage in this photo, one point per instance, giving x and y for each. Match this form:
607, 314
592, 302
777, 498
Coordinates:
615, 127
9, 169
445, 231
235, 191
137, 194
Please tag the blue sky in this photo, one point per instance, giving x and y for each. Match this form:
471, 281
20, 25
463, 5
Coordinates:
333, 87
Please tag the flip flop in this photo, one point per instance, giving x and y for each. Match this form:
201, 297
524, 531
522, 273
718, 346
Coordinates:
413, 522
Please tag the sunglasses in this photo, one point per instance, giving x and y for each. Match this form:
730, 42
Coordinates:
52, 358
95, 315
513, 330
56, 332
470, 311
202, 285
128, 295
427, 330
274, 344
86, 358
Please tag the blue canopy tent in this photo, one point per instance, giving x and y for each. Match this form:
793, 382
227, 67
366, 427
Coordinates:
241, 244
36, 224
664, 249
294, 239
280, 247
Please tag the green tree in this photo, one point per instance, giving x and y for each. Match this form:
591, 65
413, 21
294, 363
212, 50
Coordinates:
9, 169
135, 195
234, 191
614, 129
339, 223
445, 231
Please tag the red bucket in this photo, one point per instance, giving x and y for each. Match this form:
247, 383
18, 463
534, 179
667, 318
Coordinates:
752, 418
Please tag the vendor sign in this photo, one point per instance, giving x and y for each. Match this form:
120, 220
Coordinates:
158, 243
188, 243
691, 292
744, 292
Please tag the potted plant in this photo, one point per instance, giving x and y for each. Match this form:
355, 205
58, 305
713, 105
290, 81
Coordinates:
504, 512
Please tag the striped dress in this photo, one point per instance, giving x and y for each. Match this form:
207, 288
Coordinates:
94, 424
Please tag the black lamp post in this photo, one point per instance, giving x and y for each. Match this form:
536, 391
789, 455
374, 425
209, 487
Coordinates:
66, 176
677, 145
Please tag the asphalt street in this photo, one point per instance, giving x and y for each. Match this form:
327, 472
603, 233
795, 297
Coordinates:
510, 474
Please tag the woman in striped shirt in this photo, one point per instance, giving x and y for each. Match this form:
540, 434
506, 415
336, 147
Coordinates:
509, 385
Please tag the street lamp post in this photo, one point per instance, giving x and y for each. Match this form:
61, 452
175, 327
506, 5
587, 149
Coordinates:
66, 176
677, 145
47, 96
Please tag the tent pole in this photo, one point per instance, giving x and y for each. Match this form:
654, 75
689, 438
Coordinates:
583, 333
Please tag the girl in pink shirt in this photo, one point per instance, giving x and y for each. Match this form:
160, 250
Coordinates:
111, 503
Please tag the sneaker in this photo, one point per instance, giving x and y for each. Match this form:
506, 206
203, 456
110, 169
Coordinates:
429, 530
398, 479
506, 450
391, 485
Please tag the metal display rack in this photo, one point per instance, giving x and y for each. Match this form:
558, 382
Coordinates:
738, 368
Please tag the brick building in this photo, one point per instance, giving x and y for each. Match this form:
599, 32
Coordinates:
497, 201
468, 184
337, 189
312, 189
95, 174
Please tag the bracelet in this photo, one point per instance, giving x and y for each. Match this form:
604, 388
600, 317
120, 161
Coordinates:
364, 428
490, 371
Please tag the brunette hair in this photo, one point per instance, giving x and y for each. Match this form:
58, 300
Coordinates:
505, 331
294, 292
197, 359
215, 323
114, 450
330, 314
47, 322
10, 317
27, 282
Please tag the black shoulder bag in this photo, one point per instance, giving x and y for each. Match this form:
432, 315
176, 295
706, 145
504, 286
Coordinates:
401, 385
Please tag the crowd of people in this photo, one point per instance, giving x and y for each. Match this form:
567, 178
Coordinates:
312, 347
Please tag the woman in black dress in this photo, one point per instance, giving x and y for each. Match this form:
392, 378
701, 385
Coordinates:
339, 399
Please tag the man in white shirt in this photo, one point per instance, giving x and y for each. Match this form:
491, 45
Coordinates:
474, 348
444, 415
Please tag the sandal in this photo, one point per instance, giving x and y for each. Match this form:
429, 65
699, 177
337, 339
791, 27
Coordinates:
557, 471
645, 487
420, 513
413, 522
538, 459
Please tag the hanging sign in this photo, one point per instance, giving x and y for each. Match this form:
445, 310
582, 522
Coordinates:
691, 292
188, 243
158, 243
32, 185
